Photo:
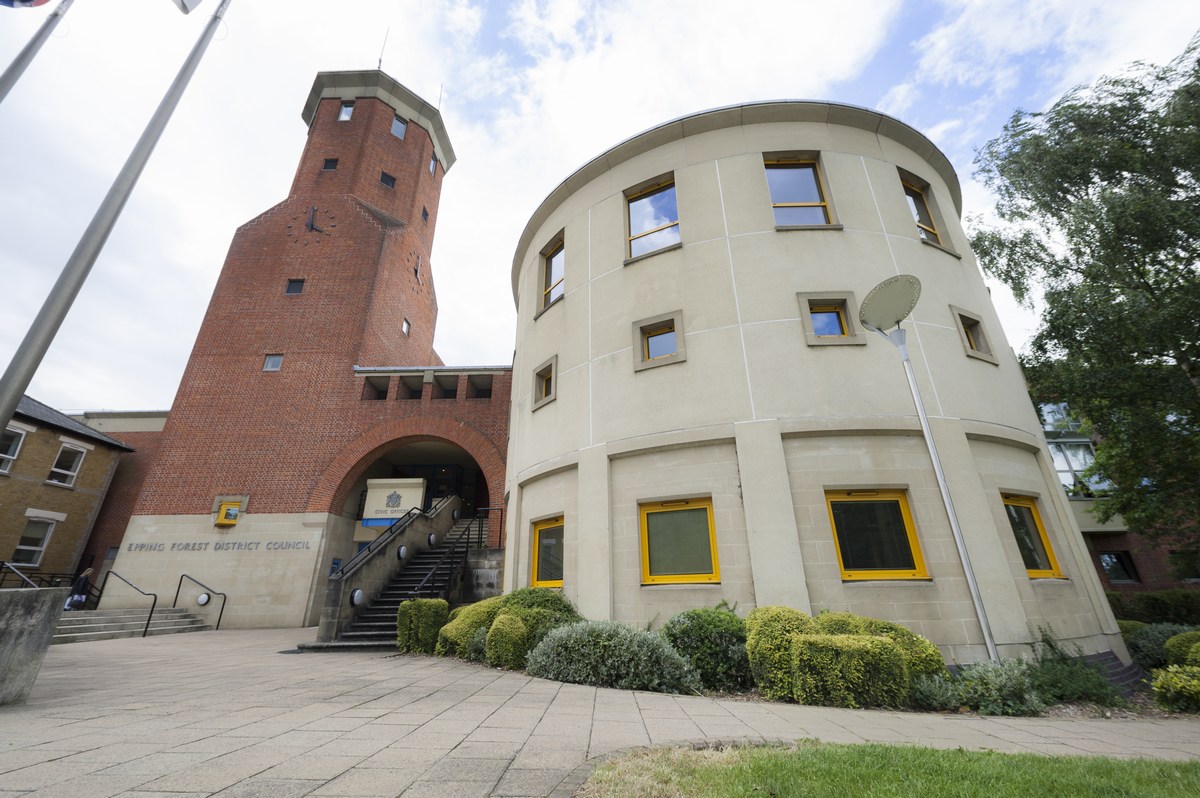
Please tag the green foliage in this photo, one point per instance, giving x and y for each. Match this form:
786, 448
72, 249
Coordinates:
1128, 628
454, 613
934, 693
454, 636
608, 654
1193, 657
476, 650
1097, 199
539, 621
920, 655
1179, 647
714, 642
1177, 688
999, 688
848, 671
507, 642
1062, 676
1157, 606
769, 633
418, 622
542, 598
1148, 645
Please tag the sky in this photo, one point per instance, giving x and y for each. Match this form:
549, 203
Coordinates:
529, 90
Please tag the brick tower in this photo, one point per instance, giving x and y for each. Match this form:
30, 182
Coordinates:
318, 336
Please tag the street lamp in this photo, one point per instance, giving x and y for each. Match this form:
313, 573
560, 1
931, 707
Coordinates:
885, 306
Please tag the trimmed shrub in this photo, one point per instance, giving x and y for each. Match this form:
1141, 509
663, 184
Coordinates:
454, 636
1157, 606
507, 642
999, 688
1128, 628
1194, 656
454, 613
934, 693
418, 622
920, 655
1147, 645
1059, 675
538, 622
714, 642
769, 633
609, 654
476, 650
848, 671
1177, 688
541, 598
1178, 648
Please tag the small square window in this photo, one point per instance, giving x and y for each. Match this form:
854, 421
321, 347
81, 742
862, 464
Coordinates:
1031, 536
658, 340
829, 318
405, 327
10, 447
433, 164
919, 207
974, 340
294, 287
875, 535
653, 219
387, 180
32, 543
548, 553
272, 363
679, 542
554, 261
329, 165
399, 127
66, 465
1118, 565
424, 215
346, 111
545, 383
796, 193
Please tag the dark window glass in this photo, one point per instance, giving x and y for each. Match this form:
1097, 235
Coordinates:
871, 536
294, 287
330, 164
387, 180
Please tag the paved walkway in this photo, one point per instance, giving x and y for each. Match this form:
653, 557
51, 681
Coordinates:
239, 713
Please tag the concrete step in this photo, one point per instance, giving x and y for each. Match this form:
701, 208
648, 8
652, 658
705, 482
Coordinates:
83, 626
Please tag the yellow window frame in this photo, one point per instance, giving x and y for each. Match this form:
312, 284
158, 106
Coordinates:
538, 528
784, 163
667, 326
548, 273
918, 195
1054, 572
646, 192
919, 571
644, 510
840, 310
545, 382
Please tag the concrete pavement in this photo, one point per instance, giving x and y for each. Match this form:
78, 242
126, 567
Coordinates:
240, 713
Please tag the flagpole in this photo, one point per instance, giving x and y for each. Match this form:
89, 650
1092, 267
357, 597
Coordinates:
41, 333
17, 67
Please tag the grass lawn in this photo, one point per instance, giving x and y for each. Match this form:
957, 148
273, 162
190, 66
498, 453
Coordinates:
820, 769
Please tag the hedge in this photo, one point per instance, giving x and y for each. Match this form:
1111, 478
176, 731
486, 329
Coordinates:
507, 642
848, 671
1129, 627
454, 636
418, 622
714, 641
1177, 688
1178, 648
921, 657
609, 654
769, 632
1148, 645
1157, 606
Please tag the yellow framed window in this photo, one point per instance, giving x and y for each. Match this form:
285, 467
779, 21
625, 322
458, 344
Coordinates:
659, 341
548, 553
875, 535
828, 320
679, 542
1032, 540
653, 219
926, 229
796, 193
554, 269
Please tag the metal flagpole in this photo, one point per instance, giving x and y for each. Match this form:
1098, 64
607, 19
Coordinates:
17, 67
41, 333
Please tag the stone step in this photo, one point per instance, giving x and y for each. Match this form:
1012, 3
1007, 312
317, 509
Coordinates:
86, 637
79, 626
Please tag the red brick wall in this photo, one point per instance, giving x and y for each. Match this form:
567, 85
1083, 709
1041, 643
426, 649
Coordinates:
1154, 571
132, 468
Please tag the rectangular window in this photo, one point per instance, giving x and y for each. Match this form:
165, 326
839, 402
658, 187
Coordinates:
658, 341
424, 214
1034, 544
405, 327
33, 541
875, 535
919, 207
294, 287
387, 180
1119, 566
433, 164
548, 553
66, 465
545, 383
1057, 417
1071, 459
329, 165
970, 332
553, 271
10, 447
346, 111
828, 318
679, 542
796, 193
272, 363
653, 219
399, 127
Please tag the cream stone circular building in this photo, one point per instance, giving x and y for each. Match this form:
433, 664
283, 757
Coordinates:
698, 415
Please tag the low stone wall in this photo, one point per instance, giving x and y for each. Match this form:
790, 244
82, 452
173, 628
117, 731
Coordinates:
27, 620
485, 575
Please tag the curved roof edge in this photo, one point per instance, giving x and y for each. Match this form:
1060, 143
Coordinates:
764, 111
374, 83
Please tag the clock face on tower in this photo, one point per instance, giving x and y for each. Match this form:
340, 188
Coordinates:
311, 225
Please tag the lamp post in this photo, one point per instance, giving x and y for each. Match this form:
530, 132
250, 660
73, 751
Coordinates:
885, 306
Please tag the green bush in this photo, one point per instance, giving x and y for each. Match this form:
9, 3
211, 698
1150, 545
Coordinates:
1177, 688
935, 693
1194, 656
476, 650
714, 642
538, 622
507, 642
1157, 606
1178, 648
541, 598
1128, 628
848, 671
454, 636
920, 655
1147, 645
769, 633
999, 688
1060, 675
608, 654
454, 613
418, 622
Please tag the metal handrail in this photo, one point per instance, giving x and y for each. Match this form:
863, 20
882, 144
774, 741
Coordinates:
450, 547
138, 589
220, 615
14, 569
481, 542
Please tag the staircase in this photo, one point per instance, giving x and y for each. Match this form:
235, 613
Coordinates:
1126, 679
84, 625
375, 624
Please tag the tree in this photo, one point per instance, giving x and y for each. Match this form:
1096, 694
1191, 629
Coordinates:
1099, 207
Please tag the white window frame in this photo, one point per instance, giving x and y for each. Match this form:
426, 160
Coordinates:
71, 476
6, 459
37, 517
